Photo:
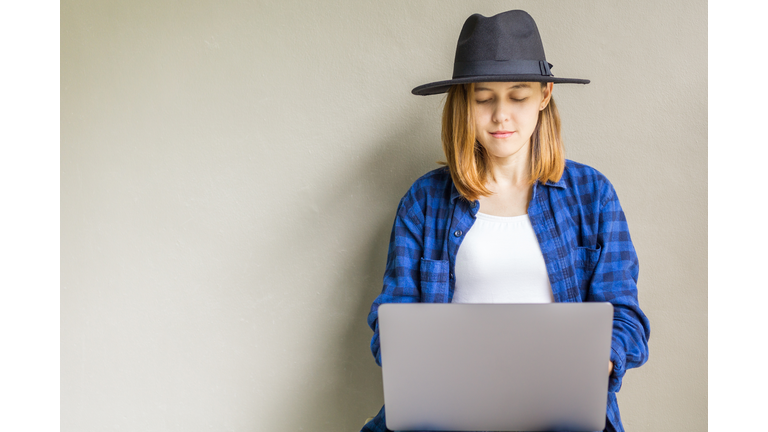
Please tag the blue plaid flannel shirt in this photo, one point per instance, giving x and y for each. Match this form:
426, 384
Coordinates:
583, 236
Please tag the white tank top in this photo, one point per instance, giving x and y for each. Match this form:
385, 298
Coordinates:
500, 261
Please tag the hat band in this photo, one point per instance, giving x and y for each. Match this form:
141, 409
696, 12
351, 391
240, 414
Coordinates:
503, 67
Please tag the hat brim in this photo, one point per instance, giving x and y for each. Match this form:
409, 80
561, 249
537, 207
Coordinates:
443, 86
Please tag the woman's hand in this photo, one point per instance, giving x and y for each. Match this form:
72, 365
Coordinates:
610, 367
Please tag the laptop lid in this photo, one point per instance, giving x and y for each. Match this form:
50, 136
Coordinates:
496, 367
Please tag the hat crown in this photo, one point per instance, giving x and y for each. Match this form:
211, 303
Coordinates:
505, 47
510, 35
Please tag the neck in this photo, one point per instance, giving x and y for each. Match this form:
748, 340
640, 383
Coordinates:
514, 170
509, 183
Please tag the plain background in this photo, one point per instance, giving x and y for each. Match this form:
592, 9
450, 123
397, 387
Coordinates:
230, 172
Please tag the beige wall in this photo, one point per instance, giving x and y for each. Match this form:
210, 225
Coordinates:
230, 172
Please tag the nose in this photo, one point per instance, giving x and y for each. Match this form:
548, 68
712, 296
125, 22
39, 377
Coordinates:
500, 112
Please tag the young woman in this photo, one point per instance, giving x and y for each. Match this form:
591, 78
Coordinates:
509, 219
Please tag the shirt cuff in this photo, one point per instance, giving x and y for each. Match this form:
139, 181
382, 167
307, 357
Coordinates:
614, 382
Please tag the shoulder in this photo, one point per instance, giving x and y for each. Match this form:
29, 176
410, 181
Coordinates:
428, 193
437, 178
577, 174
586, 182
434, 183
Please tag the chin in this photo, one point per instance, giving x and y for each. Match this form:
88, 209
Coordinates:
505, 153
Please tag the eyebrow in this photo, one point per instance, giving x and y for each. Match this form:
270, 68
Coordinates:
521, 85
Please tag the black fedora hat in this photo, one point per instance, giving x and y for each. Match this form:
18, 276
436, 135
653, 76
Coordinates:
504, 47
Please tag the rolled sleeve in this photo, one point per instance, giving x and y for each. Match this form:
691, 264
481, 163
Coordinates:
615, 281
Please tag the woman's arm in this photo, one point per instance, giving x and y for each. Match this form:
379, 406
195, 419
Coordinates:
615, 281
401, 277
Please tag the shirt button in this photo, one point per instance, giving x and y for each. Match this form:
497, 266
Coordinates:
457, 233
451, 275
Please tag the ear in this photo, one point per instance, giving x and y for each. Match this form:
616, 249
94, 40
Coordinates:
546, 92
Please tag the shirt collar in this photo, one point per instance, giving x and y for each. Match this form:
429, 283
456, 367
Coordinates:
474, 206
455, 193
558, 184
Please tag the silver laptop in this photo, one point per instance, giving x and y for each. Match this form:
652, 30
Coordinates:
495, 367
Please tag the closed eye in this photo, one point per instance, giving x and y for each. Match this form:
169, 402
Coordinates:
483, 101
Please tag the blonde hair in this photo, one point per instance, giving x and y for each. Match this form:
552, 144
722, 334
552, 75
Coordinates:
468, 161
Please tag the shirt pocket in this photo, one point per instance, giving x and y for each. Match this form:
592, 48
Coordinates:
434, 280
585, 261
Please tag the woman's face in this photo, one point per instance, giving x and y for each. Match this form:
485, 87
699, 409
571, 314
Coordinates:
506, 114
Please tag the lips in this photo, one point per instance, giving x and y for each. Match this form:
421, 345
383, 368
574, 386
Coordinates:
502, 134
